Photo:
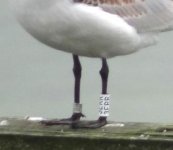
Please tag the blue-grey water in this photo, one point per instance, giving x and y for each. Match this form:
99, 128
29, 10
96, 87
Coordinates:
36, 80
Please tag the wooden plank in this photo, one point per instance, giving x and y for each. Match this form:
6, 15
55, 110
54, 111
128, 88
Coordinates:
22, 134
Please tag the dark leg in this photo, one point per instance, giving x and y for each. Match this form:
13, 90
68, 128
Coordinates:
104, 72
104, 75
77, 75
101, 120
77, 114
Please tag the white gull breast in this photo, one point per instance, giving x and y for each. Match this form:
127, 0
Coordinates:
95, 28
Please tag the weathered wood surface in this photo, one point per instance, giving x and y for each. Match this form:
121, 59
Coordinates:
22, 134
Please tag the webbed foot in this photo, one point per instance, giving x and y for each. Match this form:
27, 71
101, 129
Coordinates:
67, 121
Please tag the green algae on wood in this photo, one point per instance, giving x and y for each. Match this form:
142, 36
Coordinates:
22, 134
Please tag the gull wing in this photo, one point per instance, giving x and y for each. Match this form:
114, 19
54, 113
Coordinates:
143, 15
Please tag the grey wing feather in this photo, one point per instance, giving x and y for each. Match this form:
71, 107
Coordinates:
144, 15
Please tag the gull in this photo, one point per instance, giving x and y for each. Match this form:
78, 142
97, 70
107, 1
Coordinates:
94, 28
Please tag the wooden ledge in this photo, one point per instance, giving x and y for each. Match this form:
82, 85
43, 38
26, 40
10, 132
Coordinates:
24, 134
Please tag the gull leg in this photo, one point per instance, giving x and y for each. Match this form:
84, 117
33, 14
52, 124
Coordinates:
74, 120
101, 121
77, 111
104, 72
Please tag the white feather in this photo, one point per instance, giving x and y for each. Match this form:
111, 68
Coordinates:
89, 31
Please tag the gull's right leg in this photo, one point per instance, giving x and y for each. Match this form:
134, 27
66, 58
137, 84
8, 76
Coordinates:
77, 110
